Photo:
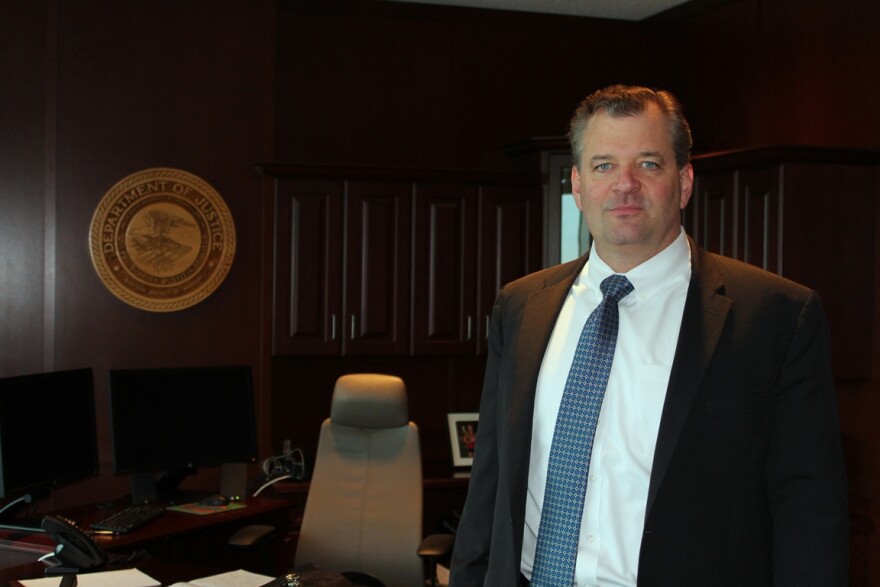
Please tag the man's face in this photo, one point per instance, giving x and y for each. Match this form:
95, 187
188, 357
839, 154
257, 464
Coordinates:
629, 187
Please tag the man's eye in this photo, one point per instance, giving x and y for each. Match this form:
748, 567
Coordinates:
603, 167
650, 165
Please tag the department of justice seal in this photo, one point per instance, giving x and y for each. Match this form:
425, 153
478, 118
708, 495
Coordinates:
162, 240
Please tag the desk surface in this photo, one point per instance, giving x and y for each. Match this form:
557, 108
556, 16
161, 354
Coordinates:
171, 538
165, 572
172, 523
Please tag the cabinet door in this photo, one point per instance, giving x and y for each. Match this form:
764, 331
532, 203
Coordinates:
308, 267
710, 218
510, 243
759, 189
444, 269
377, 266
736, 214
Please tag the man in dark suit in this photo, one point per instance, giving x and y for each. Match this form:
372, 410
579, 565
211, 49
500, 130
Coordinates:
716, 458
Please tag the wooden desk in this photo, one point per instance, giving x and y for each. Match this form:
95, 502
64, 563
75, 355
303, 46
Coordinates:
175, 538
164, 572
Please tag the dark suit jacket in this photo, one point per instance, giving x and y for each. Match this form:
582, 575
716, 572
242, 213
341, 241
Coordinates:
748, 483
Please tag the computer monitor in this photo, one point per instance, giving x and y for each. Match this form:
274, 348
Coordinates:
47, 434
172, 421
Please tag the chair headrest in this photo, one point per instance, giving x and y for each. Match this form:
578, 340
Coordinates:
369, 400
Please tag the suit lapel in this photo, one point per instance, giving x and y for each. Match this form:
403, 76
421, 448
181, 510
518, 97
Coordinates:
705, 313
538, 319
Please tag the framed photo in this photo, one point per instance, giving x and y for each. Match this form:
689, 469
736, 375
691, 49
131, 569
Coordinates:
462, 437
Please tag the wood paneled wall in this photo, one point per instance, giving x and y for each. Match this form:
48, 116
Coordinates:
757, 72
427, 87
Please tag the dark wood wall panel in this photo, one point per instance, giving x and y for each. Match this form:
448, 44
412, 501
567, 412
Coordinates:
753, 73
418, 86
26, 124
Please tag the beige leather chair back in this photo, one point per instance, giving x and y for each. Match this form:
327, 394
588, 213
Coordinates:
364, 508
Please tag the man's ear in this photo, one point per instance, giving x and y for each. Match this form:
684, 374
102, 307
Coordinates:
576, 186
686, 177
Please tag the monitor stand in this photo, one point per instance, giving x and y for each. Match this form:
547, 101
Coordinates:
145, 488
233, 481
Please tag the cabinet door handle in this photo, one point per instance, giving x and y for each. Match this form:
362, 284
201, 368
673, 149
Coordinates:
332, 326
486, 331
470, 327
353, 329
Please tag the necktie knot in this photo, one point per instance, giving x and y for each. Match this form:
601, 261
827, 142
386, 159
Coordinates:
616, 287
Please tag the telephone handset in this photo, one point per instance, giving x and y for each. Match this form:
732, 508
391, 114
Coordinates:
74, 549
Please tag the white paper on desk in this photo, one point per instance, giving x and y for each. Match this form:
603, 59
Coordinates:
238, 578
124, 578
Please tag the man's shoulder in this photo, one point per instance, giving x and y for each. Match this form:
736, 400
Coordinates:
751, 279
545, 277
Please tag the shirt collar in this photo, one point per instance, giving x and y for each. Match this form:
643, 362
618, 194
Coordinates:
669, 266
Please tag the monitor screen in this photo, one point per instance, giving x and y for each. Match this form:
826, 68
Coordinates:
181, 419
47, 431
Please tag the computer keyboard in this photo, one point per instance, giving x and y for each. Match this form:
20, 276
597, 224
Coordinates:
129, 519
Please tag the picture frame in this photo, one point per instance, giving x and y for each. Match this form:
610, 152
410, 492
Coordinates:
462, 437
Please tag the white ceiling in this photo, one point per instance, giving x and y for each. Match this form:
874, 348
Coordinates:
616, 9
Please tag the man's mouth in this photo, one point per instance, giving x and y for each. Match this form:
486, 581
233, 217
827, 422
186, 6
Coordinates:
625, 210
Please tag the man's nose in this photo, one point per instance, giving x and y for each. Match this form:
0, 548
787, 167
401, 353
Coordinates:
626, 180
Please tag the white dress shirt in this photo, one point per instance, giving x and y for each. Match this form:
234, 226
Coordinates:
623, 448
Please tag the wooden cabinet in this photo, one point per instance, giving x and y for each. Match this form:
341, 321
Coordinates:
510, 239
807, 214
469, 241
736, 213
308, 266
445, 268
389, 262
377, 266
342, 267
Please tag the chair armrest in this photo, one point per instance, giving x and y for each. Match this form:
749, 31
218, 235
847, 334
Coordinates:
436, 546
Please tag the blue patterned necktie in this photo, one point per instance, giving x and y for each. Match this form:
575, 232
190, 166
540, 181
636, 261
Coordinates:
569, 466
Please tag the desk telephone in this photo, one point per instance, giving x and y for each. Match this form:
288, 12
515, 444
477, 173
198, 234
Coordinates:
74, 550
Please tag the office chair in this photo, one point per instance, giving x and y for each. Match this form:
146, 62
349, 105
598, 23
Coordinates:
363, 513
